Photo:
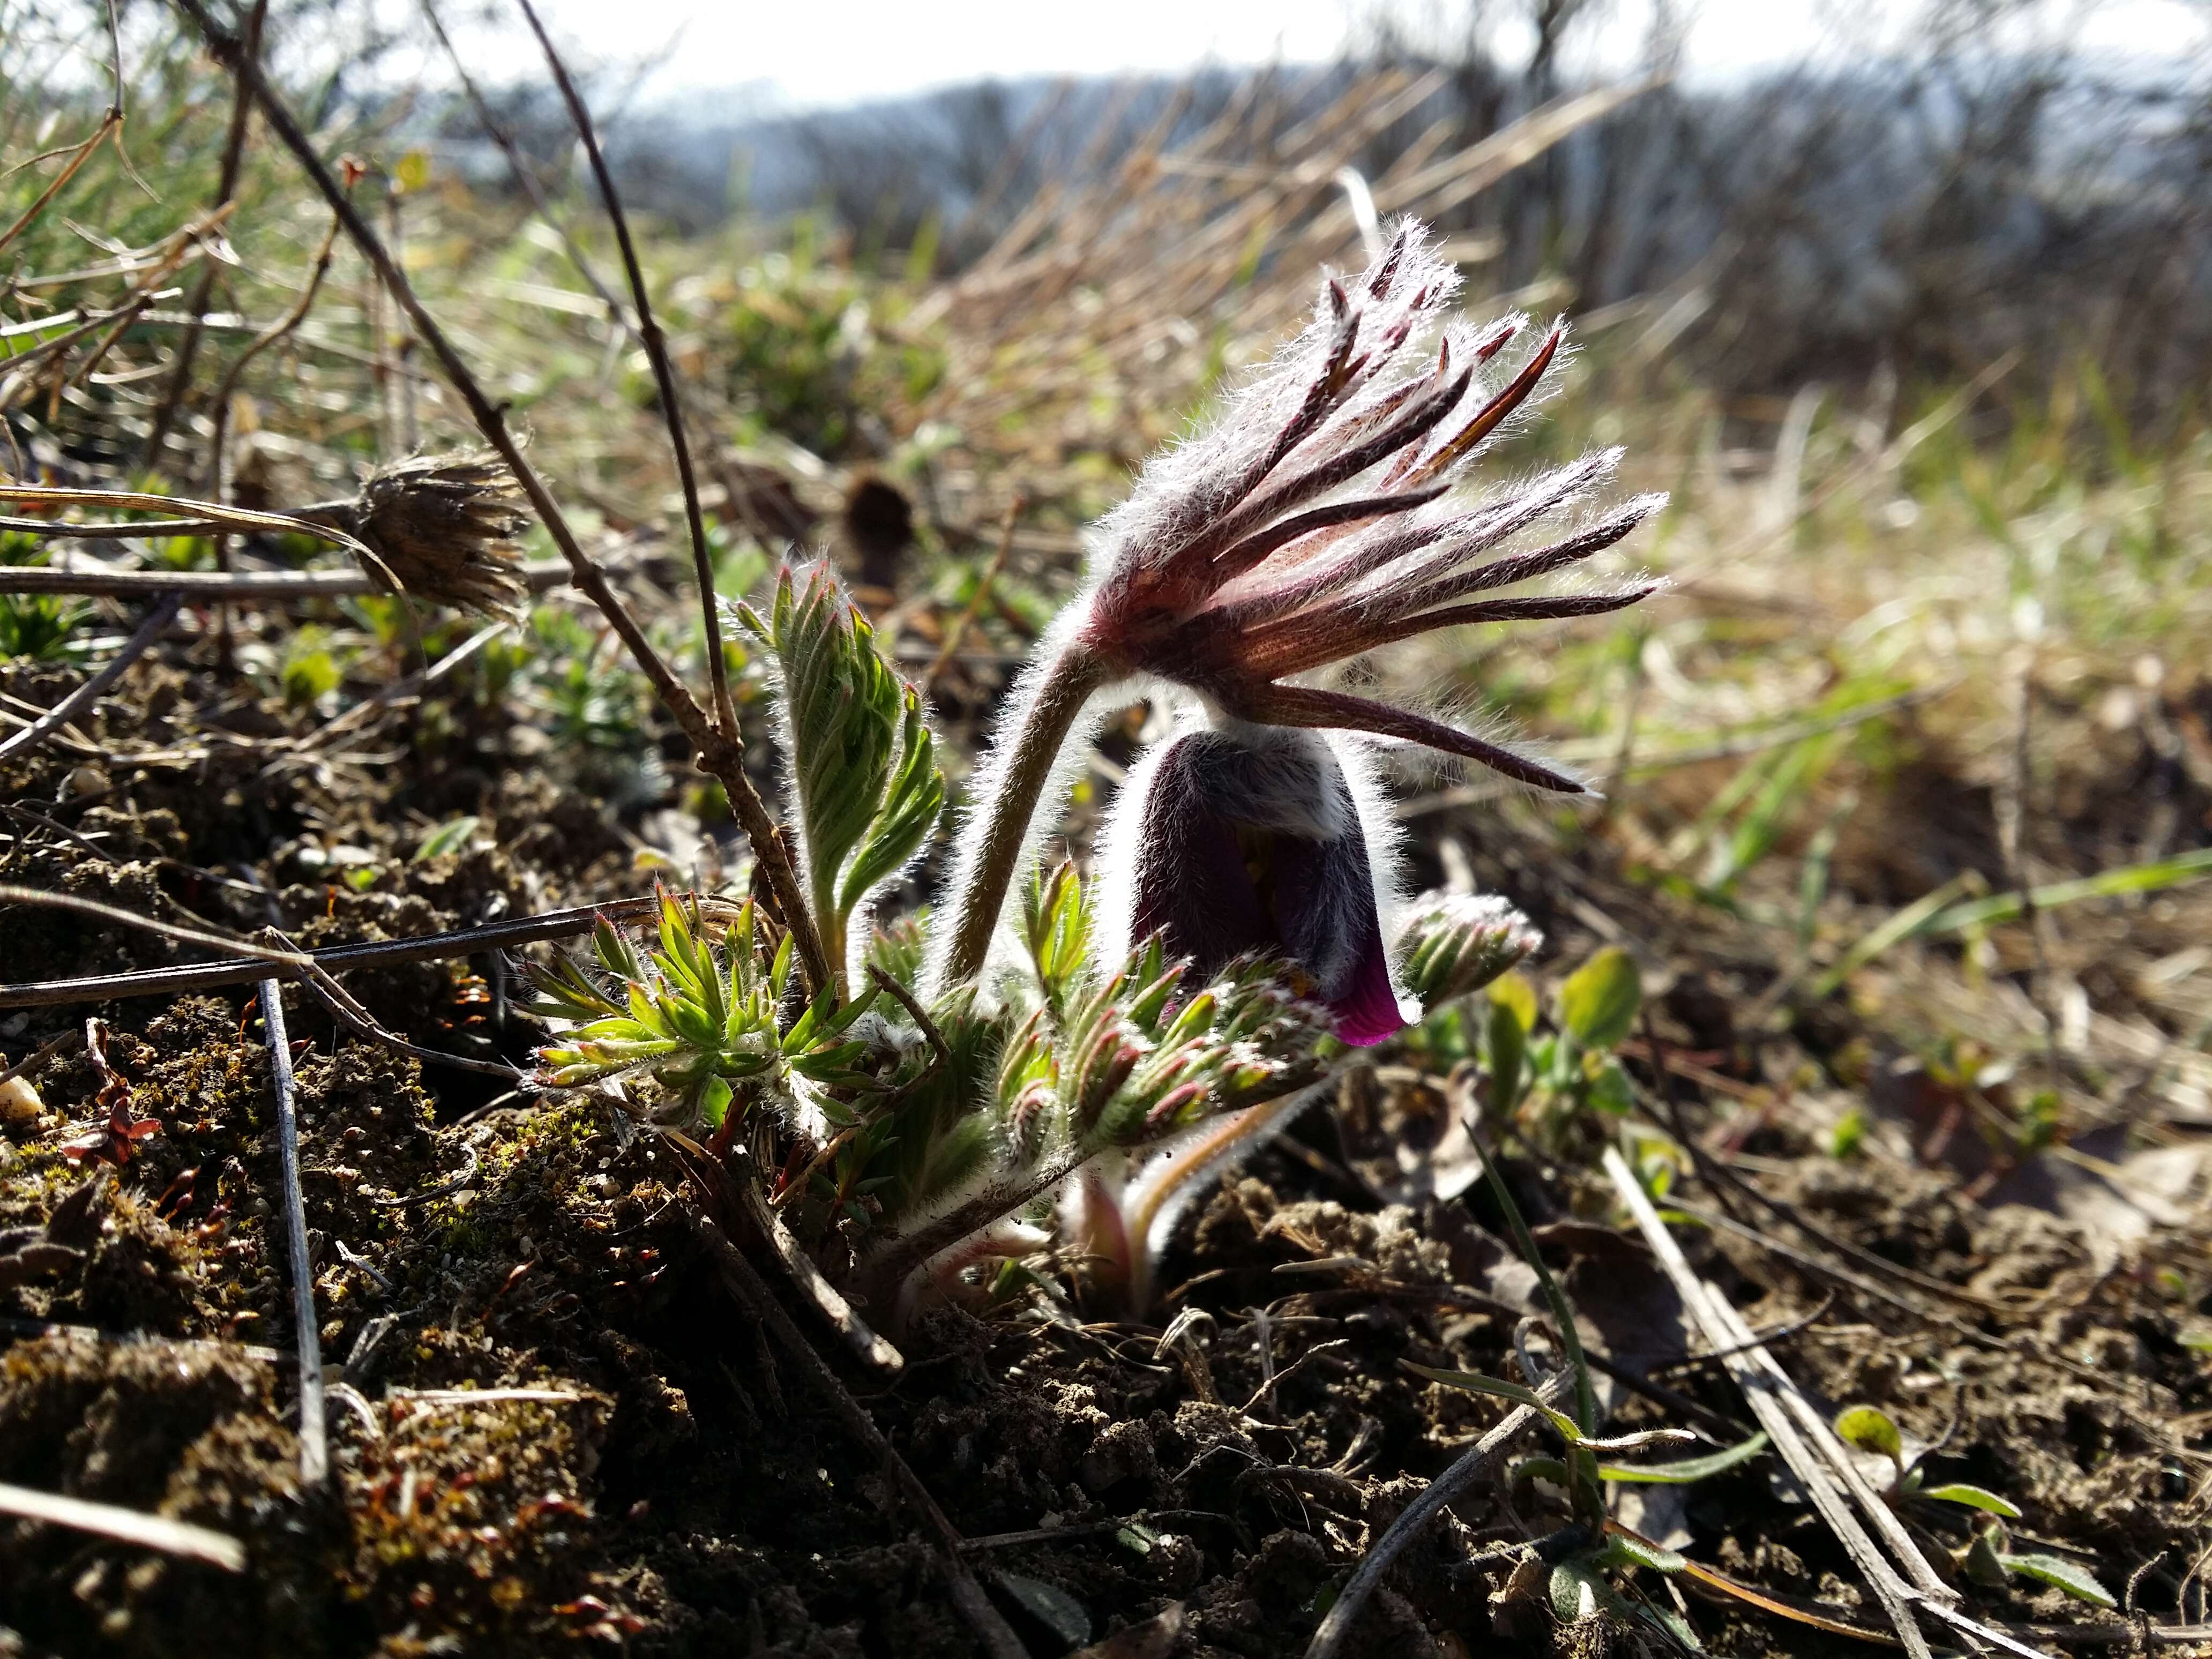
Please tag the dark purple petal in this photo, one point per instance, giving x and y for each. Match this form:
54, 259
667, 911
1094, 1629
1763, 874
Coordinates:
1324, 904
1220, 875
1193, 887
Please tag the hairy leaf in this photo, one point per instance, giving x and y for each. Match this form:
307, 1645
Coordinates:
865, 780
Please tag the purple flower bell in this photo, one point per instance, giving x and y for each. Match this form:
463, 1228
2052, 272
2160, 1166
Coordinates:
1250, 841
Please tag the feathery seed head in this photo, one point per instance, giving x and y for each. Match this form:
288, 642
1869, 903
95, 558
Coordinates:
1312, 521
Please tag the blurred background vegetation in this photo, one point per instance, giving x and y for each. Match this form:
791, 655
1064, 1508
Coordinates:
1918, 343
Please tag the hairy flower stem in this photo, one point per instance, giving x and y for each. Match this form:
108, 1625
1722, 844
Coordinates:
1232, 1138
900, 1256
1015, 789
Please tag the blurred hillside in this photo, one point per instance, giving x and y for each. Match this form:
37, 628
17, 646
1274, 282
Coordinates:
1917, 216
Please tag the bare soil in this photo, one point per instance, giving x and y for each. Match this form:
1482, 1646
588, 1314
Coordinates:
643, 1471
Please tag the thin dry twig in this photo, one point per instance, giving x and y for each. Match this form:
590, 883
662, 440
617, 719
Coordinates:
314, 1428
235, 587
108, 124
11, 893
523, 175
722, 750
226, 189
156, 624
752, 1292
242, 970
1473, 1465
43, 1052
664, 373
294, 315
153, 1532
342, 1003
863, 1342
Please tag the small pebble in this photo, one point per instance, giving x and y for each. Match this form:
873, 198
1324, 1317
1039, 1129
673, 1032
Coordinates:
20, 1104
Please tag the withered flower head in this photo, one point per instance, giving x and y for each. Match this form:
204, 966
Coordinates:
445, 526
1312, 522
1250, 842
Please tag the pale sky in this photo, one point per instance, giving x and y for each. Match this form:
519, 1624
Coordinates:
831, 51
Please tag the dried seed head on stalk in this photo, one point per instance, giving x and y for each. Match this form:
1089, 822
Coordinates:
1312, 520
446, 525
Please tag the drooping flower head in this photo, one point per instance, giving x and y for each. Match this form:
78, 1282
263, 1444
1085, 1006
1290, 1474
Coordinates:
1314, 519
1244, 841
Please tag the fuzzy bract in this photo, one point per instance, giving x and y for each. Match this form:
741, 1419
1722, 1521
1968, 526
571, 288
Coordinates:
1314, 519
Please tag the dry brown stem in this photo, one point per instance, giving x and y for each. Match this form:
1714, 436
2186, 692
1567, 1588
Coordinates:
720, 751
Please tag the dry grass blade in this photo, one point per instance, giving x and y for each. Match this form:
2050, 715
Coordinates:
1806, 1462
210, 514
1446, 183
155, 624
1446, 1488
155, 1532
314, 1428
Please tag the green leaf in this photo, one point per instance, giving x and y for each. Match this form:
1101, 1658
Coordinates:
1608, 1089
714, 1099
909, 812
1671, 1622
1620, 1551
1518, 998
1681, 1474
1507, 1049
865, 780
449, 837
1578, 1591
1974, 1497
1869, 1429
1598, 1003
1475, 1382
2061, 1574
1982, 1564
1056, 927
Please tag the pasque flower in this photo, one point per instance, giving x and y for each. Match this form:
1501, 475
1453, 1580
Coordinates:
1314, 520
1247, 841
